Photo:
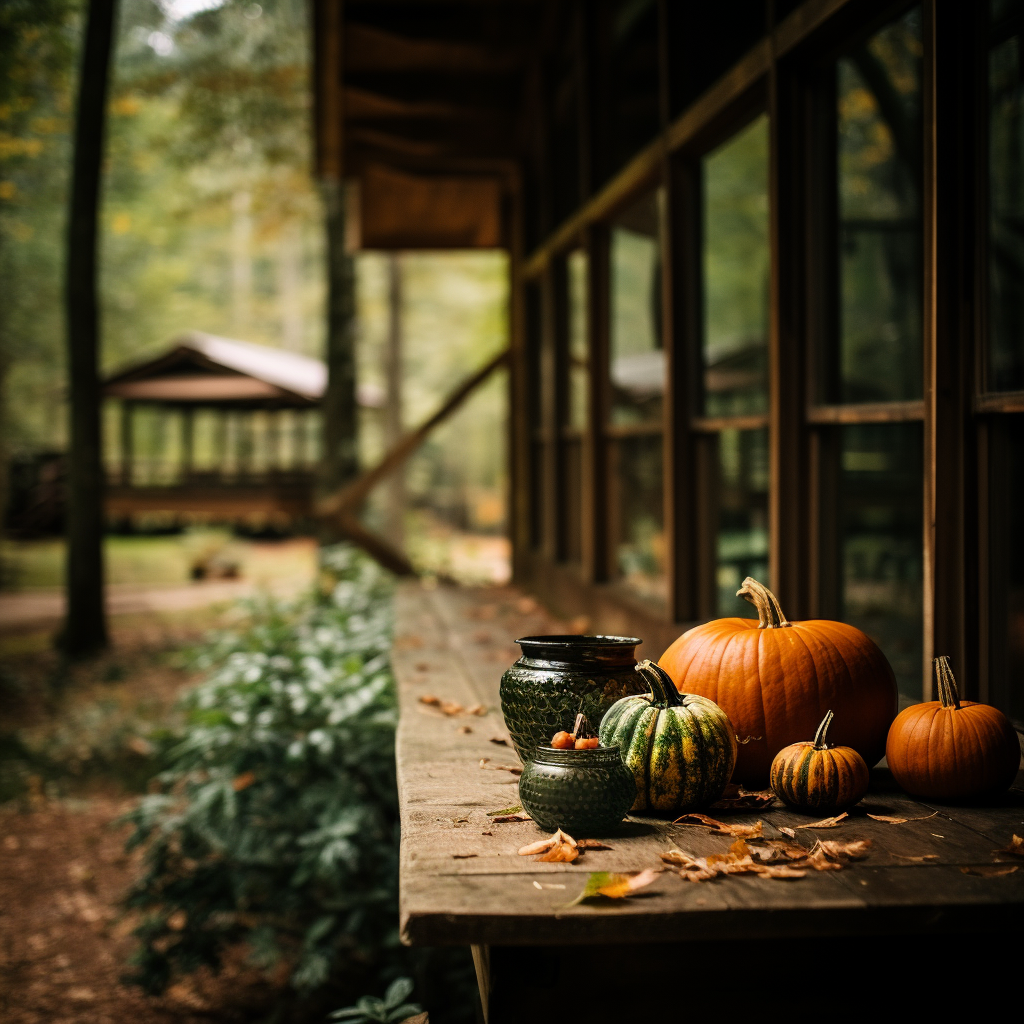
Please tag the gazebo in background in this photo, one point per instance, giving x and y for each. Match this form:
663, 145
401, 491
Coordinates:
218, 429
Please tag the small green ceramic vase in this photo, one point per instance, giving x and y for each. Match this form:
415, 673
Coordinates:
559, 676
582, 792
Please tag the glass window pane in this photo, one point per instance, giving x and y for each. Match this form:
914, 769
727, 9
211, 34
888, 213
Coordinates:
579, 339
735, 273
879, 144
1006, 200
740, 496
1006, 544
637, 368
880, 513
638, 529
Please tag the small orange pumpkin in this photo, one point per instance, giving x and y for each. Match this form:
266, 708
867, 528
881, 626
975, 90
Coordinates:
775, 679
952, 749
816, 776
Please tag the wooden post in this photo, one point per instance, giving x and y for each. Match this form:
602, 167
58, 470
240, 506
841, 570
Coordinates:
187, 443
395, 494
595, 539
127, 442
950, 446
85, 628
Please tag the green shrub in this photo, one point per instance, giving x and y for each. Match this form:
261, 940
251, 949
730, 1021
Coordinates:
277, 823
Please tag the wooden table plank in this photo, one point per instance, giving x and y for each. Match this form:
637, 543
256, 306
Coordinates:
462, 881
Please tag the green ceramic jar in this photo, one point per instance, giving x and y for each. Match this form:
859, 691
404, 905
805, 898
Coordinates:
559, 676
582, 792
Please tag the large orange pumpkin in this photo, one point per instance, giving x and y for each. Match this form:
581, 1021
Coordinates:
776, 679
952, 749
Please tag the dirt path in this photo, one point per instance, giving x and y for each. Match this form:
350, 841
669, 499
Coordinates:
64, 941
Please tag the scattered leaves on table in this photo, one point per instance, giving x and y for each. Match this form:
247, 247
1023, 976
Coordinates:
703, 821
736, 798
791, 832
502, 741
464, 856
990, 870
557, 847
465, 729
514, 809
615, 886
591, 844
517, 816
900, 821
770, 859
515, 769
1015, 849
451, 708
924, 859
827, 822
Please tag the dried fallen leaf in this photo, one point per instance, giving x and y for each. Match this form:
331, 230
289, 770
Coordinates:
464, 856
791, 832
736, 798
502, 741
1015, 849
900, 821
854, 850
451, 708
591, 844
243, 781
476, 709
514, 809
615, 886
557, 847
703, 821
464, 729
515, 769
827, 822
487, 833
917, 860
991, 870
430, 699
503, 818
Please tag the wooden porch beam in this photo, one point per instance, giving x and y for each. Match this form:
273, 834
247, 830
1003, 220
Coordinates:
347, 500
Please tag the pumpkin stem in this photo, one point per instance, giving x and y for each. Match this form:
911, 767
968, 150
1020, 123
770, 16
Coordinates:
819, 736
949, 695
663, 690
769, 611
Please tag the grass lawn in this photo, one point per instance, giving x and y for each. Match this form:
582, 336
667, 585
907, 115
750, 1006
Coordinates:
159, 561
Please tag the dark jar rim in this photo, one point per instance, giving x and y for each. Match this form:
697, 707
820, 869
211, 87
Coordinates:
572, 648
593, 757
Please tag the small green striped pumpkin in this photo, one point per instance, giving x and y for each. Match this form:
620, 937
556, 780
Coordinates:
816, 776
680, 747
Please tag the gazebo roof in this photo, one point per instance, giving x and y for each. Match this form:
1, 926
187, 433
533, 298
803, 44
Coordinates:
204, 369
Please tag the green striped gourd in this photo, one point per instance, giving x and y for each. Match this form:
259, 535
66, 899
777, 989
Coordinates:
680, 747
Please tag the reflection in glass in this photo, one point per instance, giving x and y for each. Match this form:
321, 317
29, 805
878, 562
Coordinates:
879, 156
1006, 200
735, 273
741, 510
881, 481
639, 529
579, 341
637, 367
1006, 569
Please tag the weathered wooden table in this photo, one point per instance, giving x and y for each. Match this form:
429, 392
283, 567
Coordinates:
463, 883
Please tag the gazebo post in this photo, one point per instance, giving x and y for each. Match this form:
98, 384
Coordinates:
222, 443
187, 443
127, 442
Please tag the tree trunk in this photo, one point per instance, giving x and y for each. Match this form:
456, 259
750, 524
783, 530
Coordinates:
340, 457
85, 630
394, 499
